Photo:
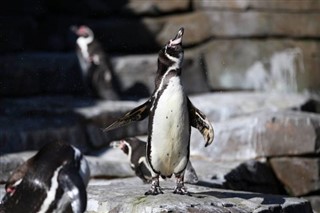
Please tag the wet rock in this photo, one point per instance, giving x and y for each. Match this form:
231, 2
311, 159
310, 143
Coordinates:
299, 175
269, 65
264, 134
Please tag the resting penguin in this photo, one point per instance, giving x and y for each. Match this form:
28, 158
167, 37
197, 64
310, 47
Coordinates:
54, 180
171, 115
136, 151
97, 70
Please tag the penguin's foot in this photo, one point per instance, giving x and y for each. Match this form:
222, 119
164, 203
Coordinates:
181, 191
155, 188
180, 188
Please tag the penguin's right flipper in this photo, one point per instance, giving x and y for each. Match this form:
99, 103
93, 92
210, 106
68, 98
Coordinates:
72, 183
201, 122
137, 114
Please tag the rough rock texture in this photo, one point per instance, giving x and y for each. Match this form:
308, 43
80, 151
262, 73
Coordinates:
264, 134
280, 65
299, 175
28, 123
128, 196
277, 5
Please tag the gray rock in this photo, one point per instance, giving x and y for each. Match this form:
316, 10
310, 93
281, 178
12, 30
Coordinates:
262, 23
276, 5
264, 134
299, 175
270, 65
156, 7
315, 202
128, 196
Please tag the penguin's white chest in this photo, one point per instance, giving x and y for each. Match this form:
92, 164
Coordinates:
170, 130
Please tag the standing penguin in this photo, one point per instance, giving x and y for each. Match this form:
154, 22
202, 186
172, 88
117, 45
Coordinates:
54, 180
97, 70
171, 115
136, 151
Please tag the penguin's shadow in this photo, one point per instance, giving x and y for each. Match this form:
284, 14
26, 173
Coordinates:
266, 198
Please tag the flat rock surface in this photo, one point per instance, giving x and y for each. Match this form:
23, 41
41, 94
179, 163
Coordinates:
128, 196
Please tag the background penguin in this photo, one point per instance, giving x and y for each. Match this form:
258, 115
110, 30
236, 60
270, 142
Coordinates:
136, 151
54, 180
171, 115
97, 70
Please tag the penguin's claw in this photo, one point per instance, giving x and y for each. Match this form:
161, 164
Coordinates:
154, 191
181, 191
155, 188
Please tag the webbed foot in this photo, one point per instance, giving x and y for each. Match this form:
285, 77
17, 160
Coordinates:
155, 188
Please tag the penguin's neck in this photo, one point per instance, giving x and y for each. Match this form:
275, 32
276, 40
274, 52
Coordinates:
83, 43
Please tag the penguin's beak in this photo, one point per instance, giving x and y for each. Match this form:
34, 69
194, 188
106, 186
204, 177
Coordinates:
178, 38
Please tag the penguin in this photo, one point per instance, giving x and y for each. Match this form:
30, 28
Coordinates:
97, 70
53, 180
136, 151
171, 115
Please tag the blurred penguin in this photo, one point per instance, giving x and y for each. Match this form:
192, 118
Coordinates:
97, 70
53, 180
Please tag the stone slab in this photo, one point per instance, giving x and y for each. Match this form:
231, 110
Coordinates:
299, 175
265, 134
128, 196
282, 65
272, 5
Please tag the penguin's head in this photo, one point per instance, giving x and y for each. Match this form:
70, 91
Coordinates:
173, 50
82, 31
123, 145
171, 55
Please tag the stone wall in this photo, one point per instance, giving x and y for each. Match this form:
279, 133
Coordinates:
234, 44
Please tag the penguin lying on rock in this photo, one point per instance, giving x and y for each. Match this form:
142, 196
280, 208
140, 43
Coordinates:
53, 180
136, 151
171, 115
97, 70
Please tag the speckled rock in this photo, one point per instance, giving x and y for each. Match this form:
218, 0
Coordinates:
128, 196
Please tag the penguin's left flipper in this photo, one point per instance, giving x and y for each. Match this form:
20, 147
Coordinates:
200, 121
72, 183
137, 114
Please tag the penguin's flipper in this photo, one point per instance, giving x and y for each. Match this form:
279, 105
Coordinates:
201, 122
137, 114
72, 183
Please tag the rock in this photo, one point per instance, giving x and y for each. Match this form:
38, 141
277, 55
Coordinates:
315, 202
156, 7
265, 134
261, 23
270, 65
128, 196
299, 175
276, 5
254, 176
225, 105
